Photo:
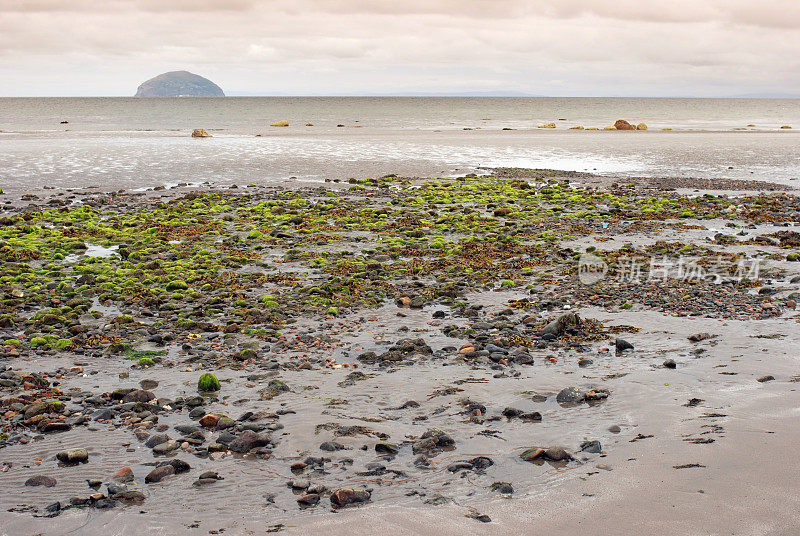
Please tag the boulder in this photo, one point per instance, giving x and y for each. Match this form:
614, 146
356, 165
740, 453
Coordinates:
641, 126
621, 124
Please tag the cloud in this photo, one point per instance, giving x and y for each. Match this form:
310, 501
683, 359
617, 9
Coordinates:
314, 46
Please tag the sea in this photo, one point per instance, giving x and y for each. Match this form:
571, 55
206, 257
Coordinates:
140, 143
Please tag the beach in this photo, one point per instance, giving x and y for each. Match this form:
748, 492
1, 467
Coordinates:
466, 354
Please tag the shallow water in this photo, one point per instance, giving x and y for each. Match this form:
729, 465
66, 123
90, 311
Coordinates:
138, 143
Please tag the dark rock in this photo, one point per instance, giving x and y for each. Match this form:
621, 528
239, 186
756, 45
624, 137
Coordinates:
159, 473
248, 440
621, 345
41, 480
592, 447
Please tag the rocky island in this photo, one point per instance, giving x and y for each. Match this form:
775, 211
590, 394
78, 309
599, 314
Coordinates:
179, 84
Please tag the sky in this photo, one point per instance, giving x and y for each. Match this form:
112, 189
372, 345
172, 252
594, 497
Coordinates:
374, 47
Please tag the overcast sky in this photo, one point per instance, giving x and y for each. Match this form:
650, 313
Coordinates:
338, 47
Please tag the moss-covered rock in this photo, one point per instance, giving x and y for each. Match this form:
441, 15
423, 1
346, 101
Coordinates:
208, 382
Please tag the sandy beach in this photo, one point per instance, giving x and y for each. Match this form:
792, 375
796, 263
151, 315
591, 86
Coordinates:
549, 349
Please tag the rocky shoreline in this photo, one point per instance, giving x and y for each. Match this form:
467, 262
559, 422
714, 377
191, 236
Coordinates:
431, 344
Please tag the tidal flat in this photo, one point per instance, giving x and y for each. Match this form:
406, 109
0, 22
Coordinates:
391, 354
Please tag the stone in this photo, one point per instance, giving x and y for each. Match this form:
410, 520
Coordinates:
209, 421
248, 440
621, 124
388, 449
621, 345
670, 364
200, 133
138, 395
124, 475
73, 456
547, 125
159, 473
592, 447
503, 487
641, 126
309, 499
166, 447
282, 123
41, 480
345, 497
764, 379
570, 395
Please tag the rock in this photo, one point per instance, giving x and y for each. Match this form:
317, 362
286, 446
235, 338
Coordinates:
208, 382
387, 449
180, 466
283, 123
73, 456
124, 475
614, 429
159, 473
621, 345
641, 126
558, 326
557, 454
309, 499
248, 440
764, 379
200, 133
346, 497
433, 439
592, 447
209, 421
571, 395
41, 480
697, 337
166, 447
155, 440
621, 124
179, 84
532, 454
670, 364
547, 125
584, 362
129, 497
503, 487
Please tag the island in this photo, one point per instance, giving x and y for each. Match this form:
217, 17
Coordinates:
179, 84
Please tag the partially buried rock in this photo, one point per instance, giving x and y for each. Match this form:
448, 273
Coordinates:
200, 133
571, 395
41, 480
73, 456
248, 440
670, 364
346, 497
764, 379
433, 440
124, 475
159, 473
621, 345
